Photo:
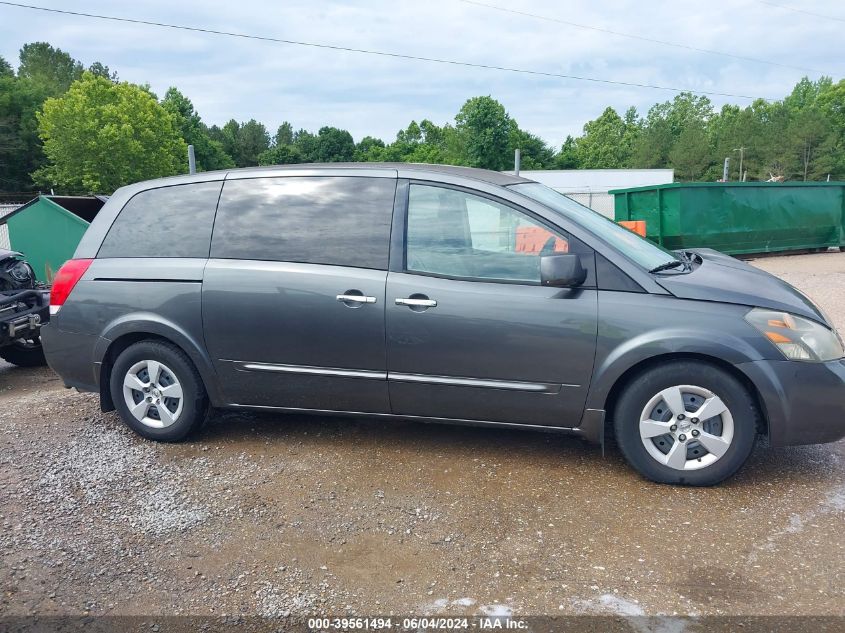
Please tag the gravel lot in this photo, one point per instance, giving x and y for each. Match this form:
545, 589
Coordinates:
287, 515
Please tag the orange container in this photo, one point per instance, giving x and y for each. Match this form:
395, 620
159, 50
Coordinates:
637, 226
532, 239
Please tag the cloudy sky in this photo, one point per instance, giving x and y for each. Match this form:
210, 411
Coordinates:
229, 77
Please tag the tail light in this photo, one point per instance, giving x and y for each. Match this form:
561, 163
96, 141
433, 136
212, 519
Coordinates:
64, 281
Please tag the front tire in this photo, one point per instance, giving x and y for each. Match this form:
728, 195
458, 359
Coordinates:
24, 353
158, 391
686, 422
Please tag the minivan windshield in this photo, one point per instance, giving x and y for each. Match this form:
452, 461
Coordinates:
647, 254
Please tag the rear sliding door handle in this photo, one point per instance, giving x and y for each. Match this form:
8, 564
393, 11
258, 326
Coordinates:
355, 299
416, 303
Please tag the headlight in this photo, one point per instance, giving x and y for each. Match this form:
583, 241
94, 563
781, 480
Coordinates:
797, 338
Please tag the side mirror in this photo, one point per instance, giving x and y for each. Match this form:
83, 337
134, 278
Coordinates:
562, 271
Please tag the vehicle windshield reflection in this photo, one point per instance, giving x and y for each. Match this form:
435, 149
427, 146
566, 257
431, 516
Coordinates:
644, 252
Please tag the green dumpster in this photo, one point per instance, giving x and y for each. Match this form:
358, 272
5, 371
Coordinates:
47, 229
739, 217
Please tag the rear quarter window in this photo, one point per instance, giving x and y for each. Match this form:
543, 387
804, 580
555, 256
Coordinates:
173, 221
335, 220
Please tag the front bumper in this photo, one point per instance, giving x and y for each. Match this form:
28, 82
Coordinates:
804, 403
23, 318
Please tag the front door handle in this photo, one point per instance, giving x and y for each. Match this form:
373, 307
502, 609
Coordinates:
355, 299
413, 302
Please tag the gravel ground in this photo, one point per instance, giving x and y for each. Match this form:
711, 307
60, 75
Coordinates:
288, 515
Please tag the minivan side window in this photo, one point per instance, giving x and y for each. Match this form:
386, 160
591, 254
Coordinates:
336, 220
170, 221
458, 234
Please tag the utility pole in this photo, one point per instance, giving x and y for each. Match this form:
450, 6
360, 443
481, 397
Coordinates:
741, 151
192, 160
725, 169
516, 162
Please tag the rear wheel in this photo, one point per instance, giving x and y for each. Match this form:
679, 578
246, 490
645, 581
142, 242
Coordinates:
158, 391
24, 353
686, 422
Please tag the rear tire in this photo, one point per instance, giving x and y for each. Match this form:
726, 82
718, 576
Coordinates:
24, 353
686, 422
158, 391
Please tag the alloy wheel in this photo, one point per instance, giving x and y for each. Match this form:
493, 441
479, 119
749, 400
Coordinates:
686, 427
153, 394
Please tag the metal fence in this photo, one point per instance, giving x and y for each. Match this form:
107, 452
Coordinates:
599, 201
6, 209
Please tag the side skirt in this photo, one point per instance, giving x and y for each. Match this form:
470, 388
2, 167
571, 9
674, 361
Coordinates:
591, 428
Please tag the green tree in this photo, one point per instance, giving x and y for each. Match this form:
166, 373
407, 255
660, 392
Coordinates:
334, 145
603, 145
433, 134
306, 144
806, 93
49, 68
20, 146
100, 136
831, 102
567, 157
728, 131
252, 139
6, 69
534, 153
226, 136
808, 131
690, 156
484, 127
209, 152
369, 149
99, 69
244, 142
652, 146
44, 72
662, 127
329, 145
284, 135
280, 155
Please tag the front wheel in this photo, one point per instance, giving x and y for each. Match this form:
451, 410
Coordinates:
686, 422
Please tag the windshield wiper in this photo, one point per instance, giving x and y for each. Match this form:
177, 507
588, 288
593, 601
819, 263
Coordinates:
672, 264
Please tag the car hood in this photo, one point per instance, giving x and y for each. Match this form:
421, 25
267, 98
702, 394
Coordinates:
725, 279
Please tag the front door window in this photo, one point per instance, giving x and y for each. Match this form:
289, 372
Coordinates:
456, 234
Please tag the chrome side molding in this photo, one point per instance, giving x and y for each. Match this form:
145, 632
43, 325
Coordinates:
317, 371
456, 381
488, 383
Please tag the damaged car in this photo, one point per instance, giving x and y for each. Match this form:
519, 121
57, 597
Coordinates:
24, 308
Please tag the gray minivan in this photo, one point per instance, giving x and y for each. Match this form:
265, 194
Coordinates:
441, 294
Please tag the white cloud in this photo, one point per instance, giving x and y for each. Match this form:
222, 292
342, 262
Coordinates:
243, 79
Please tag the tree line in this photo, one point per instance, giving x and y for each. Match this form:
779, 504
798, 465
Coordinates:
79, 129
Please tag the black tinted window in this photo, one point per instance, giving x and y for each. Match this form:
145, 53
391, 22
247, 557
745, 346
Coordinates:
340, 220
167, 222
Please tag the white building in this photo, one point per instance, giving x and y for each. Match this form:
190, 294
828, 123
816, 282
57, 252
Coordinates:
590, 186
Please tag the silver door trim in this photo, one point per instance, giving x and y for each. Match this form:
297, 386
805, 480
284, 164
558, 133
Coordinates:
311, 370
488, 383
